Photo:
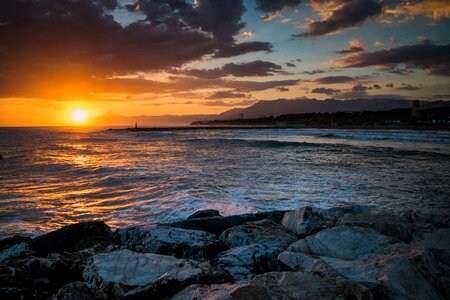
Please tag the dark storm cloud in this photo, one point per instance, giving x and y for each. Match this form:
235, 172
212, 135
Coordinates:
409, 87
282, 89
335, 79
353, 49
253, 86
313, 72
377, 86
46, 43
434, 59
225, 95
350, 13
275, 5
232, 103
255, 68
360, 88
290, 65
325, 91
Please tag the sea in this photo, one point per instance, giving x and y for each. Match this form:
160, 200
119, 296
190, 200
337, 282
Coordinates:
51, 177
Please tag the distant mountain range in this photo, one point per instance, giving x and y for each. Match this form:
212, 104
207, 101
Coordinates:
299, 106
266, 109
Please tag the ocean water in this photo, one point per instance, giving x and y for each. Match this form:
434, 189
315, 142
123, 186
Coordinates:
51, 177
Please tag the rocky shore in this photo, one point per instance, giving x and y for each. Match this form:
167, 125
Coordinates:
309, 253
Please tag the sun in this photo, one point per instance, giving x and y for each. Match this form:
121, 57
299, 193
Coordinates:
79, 115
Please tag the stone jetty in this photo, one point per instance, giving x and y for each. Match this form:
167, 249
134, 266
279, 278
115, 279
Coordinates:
310, 253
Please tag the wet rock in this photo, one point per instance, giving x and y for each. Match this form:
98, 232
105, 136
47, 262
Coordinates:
14, 251
387, 225
214, 225
275, 216
225, 291
178, 242
436, 241
74, 291
342, 242
309, 220
205, 214
10, 241
301, 285
400, 272
72, 238
264, 232
37, 277
430, 216
129, 274
243, 261
296, 261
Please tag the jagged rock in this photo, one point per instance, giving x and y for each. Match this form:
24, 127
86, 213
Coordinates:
129, 274
74, 291
178, 242
342, 242
275, 216
296, 261
387, 225
214, 225
72, 238
14, 240
301, 285
243, 261
430, 216
37, 277
437, 242
205, 214
309, 220
227, 291
400, 272
14, 251
264, 232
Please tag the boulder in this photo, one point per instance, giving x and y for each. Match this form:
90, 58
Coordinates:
431, 216
244, 261
265, 232
14, 240
302, 285
74, 291
72, 238
226, 291
14, 251
296, 261
437, 241
205, 214
37, 277
309, 220
166, 240
125, 273
214, 225
342, 242
275, 216
401, 271
385, 224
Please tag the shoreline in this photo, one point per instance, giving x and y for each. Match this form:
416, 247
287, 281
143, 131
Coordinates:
323, 253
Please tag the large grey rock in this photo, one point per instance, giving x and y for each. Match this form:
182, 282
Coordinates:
13, 240
342, 242
309, 220
400, 272
14, 251
129, 274
296, 261
264, 232
243, 261
214, 225
72, 238
385, 224
227, 291
166, 240
301, 285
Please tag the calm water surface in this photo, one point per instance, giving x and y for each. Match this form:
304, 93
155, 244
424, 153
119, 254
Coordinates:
53, 177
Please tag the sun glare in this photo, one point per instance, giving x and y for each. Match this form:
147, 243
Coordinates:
79, 115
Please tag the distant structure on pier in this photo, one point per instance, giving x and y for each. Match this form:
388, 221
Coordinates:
135, 126
415, 109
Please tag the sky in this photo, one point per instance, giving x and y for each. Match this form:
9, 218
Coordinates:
67, 62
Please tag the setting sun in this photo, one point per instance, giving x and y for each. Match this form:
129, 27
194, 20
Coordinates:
79, 115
